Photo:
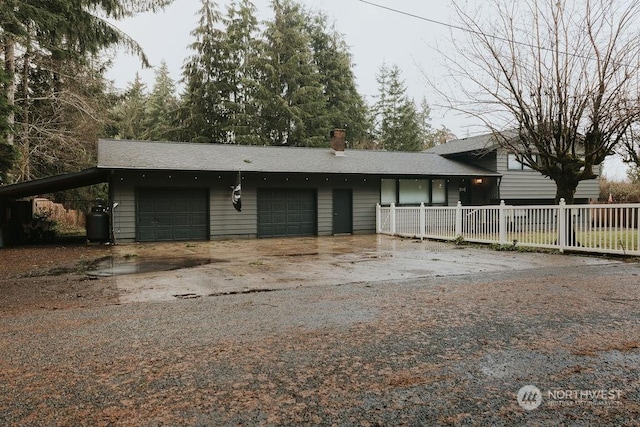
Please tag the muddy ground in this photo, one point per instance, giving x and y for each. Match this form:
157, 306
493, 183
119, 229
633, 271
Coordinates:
363, 330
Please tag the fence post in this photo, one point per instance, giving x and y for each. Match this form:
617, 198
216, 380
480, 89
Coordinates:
458, 230
502, 223
562, 225
392, 219
423, 221
636, 224
378, 217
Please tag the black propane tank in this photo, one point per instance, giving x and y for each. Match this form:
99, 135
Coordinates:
97, 224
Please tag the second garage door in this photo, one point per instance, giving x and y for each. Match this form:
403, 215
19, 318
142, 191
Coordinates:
287, 213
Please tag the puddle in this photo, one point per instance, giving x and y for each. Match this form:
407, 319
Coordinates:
110, 266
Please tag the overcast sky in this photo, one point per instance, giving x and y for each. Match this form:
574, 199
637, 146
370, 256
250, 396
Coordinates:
375, 36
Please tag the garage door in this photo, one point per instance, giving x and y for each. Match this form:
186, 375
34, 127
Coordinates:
172, 214
287, 213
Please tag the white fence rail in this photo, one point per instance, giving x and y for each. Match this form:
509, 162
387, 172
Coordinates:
609, 229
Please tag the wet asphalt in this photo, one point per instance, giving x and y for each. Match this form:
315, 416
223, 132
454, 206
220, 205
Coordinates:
163, 272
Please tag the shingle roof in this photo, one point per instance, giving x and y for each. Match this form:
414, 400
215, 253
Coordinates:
479, 143
474, 143
121, 154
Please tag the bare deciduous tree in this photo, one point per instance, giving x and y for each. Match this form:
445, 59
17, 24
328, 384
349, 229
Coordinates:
560, 75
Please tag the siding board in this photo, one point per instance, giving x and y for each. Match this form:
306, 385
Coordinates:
518, 184
325, 211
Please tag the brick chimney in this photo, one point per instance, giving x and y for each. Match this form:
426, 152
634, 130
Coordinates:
338, 141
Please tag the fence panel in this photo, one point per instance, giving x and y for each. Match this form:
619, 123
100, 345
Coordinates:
481, 224
609, 229
440, 223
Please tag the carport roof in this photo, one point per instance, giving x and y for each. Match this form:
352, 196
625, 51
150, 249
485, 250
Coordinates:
54, 183
144, 155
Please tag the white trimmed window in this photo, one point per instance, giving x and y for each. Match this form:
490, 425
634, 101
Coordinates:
514, 164
413, 191
388, 192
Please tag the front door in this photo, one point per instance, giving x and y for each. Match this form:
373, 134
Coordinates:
465, 192
342, 212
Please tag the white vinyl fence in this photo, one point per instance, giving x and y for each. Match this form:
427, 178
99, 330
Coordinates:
607, 229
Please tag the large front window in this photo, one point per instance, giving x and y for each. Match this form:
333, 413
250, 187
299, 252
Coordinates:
413, 191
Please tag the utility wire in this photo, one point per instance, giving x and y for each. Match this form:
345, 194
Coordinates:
444, 24
468, 30
421, 18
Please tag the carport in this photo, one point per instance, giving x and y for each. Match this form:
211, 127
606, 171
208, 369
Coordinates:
14, 212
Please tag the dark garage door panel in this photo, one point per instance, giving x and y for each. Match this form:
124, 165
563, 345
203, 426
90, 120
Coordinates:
172, 214
287, 213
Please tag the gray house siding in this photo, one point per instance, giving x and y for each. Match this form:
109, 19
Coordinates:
124, 214
325, 211
224, 221
487, 161
529, 185
364, 206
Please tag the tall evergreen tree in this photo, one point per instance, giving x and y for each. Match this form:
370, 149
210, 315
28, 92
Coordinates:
243, 72
397, 120
345, 107
293, 107
162, 105
129, 114
204, 117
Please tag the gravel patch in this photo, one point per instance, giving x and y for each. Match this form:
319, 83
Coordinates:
451, 350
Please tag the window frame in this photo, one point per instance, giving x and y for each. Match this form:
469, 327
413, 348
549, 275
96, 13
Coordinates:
429, 189
512, 158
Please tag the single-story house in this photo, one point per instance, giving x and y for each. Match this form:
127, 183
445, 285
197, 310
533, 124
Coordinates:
183, 191
163, 191
519, 184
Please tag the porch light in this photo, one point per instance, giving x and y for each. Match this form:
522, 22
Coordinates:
478, 181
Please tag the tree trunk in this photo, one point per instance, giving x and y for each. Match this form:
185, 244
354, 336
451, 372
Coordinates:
566, 189
10, 88
25, 146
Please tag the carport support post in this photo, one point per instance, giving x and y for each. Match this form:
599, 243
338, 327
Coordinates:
378, 217
502, 223
392, 218
423, 221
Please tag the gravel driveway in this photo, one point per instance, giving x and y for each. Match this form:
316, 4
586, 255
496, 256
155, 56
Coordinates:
450, 342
